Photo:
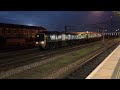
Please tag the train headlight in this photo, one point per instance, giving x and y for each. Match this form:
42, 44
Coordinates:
36, 42
42, 42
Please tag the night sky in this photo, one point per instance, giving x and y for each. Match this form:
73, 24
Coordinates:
56, 20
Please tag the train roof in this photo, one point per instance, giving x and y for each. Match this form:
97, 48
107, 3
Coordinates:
73, 33
84, 32
51, 32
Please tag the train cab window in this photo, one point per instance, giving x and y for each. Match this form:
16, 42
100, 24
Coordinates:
40, 37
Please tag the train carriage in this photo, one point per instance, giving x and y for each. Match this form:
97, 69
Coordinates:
55, 39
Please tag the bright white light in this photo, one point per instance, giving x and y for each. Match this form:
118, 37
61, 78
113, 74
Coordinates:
30, 24
42, 42
63, 36
59, 36
36, 42
37, 35
69, 35
52, 37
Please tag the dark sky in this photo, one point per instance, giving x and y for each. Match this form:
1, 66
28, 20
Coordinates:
55, 20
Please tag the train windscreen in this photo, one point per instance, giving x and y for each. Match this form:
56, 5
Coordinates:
40, 37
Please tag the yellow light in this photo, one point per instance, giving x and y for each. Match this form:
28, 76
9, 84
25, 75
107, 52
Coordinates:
36, 42
42, 42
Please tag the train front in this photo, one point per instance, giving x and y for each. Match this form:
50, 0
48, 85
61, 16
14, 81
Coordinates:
40, 40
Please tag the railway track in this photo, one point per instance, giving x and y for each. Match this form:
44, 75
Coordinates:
18, 60
24, 52
14, 66
84, 69
17, 53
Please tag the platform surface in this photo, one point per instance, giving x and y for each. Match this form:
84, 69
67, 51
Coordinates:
109, 68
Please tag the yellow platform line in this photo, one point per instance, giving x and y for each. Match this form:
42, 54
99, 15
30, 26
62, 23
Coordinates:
118, 74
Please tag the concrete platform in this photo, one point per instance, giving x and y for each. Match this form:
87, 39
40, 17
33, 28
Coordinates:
109, 68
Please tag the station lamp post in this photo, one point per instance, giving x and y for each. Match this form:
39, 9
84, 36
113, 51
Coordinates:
118, 32
104, 36
103, 29
87, 34
117, 13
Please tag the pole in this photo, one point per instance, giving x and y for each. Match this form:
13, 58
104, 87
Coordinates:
111, 20
111, 23
103, 36
98, 31
119, 33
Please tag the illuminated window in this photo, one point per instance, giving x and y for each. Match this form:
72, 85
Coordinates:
52, 37
63, 36
59, 37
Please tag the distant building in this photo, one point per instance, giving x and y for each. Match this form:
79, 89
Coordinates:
14, 34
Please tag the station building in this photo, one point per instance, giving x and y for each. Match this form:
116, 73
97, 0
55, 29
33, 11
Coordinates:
14, 34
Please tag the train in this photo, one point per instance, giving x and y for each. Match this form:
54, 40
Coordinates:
56, 39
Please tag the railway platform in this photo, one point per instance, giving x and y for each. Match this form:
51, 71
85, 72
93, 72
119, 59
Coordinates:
109, 68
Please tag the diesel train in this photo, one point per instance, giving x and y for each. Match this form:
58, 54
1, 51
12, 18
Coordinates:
55, 39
